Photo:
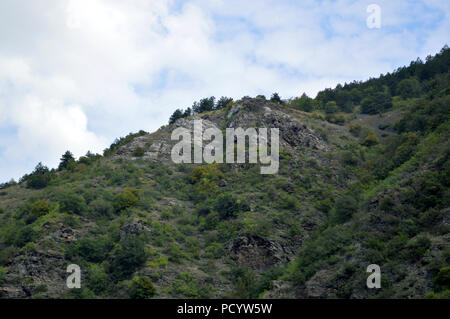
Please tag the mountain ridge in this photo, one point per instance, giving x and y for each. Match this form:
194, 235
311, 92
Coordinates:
354, 188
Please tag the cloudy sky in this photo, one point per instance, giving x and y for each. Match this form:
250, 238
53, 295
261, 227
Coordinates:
75, 74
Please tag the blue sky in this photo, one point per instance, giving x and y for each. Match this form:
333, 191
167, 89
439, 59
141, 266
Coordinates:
76, 74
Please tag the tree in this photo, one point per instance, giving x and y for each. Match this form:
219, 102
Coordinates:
67, 161
141, 288
178, 114
228, 205
376, 103
345, 208
356, 95
344, 101
331, 107
408, 88
72, 203
275, 98
128, 255
37, 209
303, 103
371, 139
128, 198
204, 105
39, 178
187, 112
223, 102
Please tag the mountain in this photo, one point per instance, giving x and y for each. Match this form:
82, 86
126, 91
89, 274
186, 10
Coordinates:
363, 179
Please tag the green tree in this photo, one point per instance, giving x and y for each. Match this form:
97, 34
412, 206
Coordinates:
128, 198
345, 207
97, 279
223, 102
275, 98
178, 114
204, 105
39, 178
331, 107
228, 205
344, 101
303, 103
442, 280
37, 209
71, 203
67, 161
408, 88
371, 139
128, 255
141, 288
376, 103
187, 112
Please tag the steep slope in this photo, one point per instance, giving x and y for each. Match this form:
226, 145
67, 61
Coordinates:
352, 190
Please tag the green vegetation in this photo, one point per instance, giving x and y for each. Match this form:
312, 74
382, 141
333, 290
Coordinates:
377, 191
141, 288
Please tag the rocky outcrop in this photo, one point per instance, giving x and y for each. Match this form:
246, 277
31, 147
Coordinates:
32, 270
135, 227
258, 253
260, 113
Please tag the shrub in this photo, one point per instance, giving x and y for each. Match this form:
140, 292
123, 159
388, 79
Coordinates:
128, 198
429, 190
97, 279
228, 205
355, 129
6, 254
138, 152
348, 159
417, 248
141, 288
376, 103
128, 255
331, 107
24, 236
408, 88
210, 172
2, 275
303, 103
71, 203
345, 208
91, 249
37, 209
335, 119
214, 250
288, 202
101, 207
442, 280
39, 178
371, 139
245, 280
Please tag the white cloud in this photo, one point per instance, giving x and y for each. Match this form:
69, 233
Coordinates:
76, 74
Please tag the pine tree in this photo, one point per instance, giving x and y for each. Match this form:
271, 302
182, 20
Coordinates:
67, 161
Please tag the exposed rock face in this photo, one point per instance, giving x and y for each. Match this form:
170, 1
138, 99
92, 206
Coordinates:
294, 133
37, 268
60, 232
129, 148
260, 113
256, 113
257, 252
136, 227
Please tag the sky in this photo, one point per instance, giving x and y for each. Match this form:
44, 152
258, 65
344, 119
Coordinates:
76, 74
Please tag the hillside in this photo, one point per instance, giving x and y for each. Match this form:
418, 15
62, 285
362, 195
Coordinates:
363, 179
